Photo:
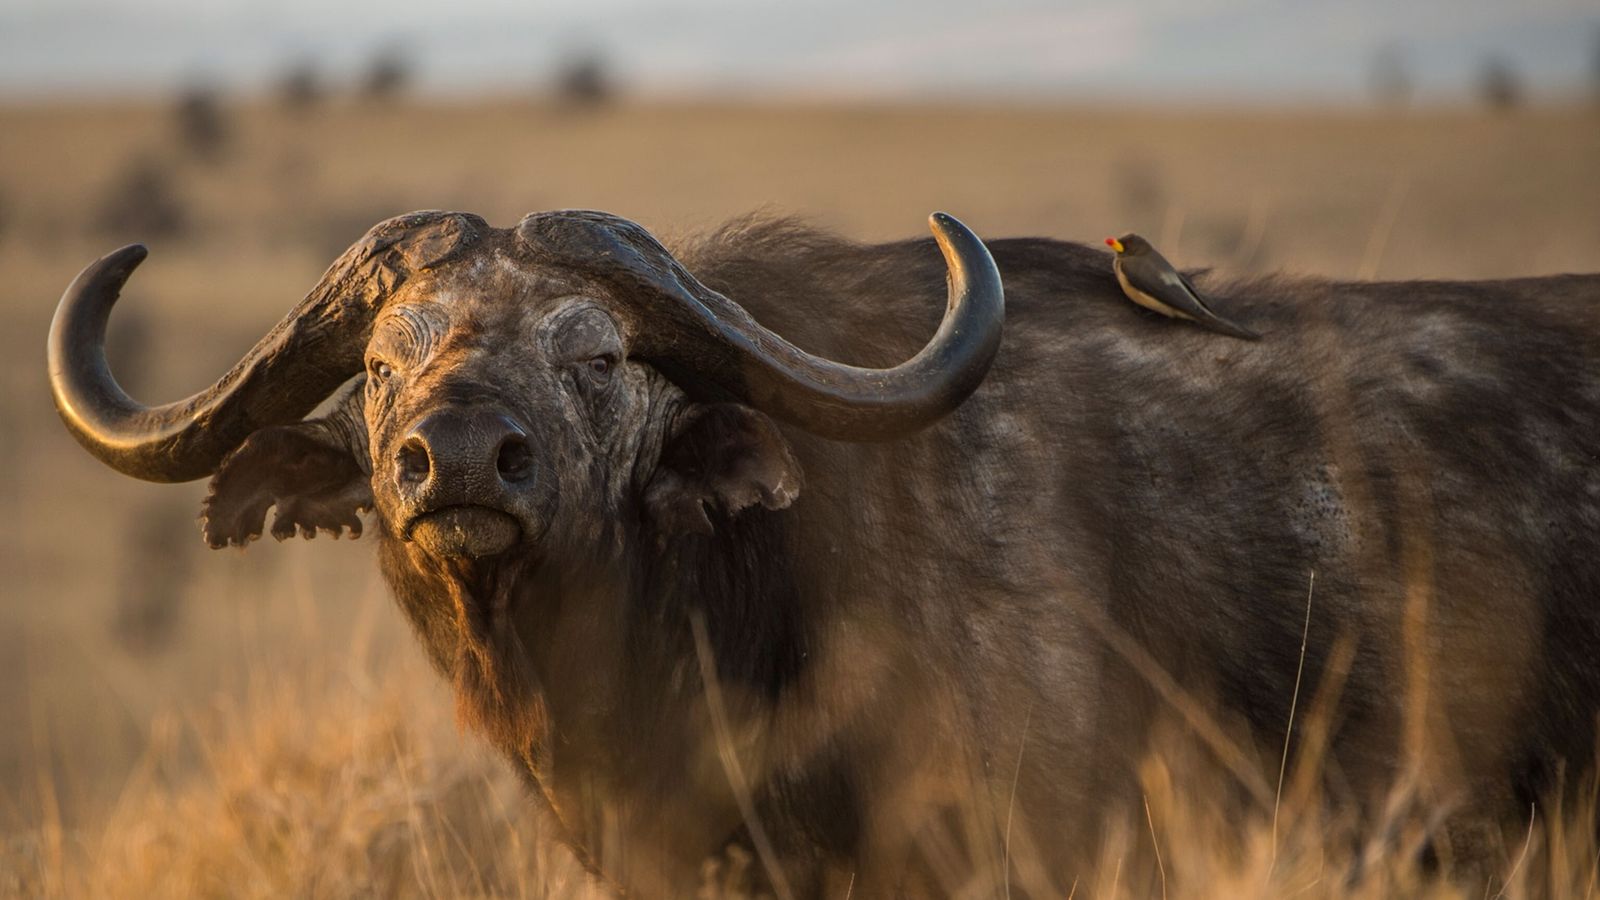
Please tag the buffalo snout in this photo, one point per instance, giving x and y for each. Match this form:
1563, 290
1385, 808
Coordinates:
463, 475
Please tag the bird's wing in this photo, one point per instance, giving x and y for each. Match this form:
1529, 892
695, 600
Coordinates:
1218, 321
1194, 292
1189, 286
1170, 279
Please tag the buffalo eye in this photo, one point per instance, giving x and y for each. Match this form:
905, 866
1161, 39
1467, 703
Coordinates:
381, 371
600, 368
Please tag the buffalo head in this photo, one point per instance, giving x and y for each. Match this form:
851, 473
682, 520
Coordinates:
513, 383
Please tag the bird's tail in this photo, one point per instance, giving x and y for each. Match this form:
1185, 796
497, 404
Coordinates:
1231, 329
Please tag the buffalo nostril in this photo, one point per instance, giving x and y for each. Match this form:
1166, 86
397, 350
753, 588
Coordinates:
514, 460
413, 462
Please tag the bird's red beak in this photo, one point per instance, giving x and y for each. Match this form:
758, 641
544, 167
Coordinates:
1111, 242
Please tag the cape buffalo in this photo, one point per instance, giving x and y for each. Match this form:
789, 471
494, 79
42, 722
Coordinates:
709, 590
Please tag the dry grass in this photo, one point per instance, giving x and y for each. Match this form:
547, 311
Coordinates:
177, 722
314, 781
338, 778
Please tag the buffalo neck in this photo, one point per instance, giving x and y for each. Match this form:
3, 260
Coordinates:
572, 663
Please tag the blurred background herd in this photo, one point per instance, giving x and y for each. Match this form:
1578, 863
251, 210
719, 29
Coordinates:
173, 719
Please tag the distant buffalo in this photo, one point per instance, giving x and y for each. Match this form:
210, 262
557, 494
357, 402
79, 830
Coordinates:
710, 585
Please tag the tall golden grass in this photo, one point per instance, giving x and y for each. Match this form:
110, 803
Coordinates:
317, 781
344, 776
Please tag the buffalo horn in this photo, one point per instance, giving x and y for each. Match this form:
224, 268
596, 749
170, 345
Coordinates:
697, 335
304, 358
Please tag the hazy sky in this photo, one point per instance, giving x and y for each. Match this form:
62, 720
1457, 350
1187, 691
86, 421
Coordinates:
1160, 49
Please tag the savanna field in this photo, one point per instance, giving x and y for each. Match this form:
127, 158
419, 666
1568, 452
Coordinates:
177, 721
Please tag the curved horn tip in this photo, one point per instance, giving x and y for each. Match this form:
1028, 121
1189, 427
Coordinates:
965, 253
123, 260
132, 251
948, 230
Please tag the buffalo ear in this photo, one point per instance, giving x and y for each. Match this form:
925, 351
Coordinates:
303, 469
723, 456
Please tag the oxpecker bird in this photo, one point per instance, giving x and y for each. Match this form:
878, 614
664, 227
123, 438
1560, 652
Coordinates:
1152, 282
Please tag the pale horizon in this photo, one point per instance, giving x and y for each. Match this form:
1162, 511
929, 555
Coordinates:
1232, 50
